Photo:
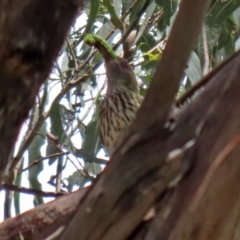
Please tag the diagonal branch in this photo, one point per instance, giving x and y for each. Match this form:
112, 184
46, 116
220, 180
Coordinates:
42, 221
145, 172
148, 170
165, 84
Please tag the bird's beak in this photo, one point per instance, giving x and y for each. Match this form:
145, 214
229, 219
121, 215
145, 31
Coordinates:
106, 55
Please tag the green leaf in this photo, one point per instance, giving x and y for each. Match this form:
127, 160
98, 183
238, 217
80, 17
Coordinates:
91, 143
169, 7
220, 11
94, 7
113, 16
150, 67
229, 48
76, 179
188, 85
118, 6
137, 10
17, 194
146, 42
51, 149
236, 17
126, 4
93, 168
34, 153
86, 157
56, 121
149, 12
91, 146
194, 71
237, 44
56, 129
146, 79
226, 42
222, 28
153, 56
73, 180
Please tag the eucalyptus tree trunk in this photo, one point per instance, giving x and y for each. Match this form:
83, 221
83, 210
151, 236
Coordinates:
32, 33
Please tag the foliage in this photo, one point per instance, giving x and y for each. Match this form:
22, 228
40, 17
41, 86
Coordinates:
67, 112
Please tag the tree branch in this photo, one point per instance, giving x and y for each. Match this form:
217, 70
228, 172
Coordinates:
31, 191
43, 220
165, 84
155, 169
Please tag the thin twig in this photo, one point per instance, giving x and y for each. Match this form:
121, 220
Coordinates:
73, 54
59, 173
183, 98
86, 174
205, 67
12, 187
37, 161
152, 22
129, 10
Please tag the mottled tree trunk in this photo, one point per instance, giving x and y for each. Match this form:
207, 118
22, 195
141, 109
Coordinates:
31, 34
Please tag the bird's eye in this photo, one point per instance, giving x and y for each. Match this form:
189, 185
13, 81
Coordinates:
125, 64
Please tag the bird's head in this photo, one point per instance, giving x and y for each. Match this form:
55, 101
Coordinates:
120, 74
118, 70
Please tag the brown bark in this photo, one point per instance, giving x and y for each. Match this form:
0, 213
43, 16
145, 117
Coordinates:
140, 162
32, 33
113, 208
166, 80
203, 205
43, 220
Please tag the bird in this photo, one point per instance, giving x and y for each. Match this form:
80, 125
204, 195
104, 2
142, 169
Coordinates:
122, 100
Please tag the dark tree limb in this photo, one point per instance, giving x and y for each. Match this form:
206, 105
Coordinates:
113, 208
43, 220
205, 205
31, 191
209, 196
32, 33
141, 174
200, 84
166, 80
